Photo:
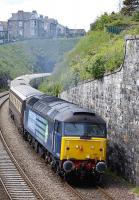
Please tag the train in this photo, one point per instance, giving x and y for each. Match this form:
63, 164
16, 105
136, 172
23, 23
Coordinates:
73, 140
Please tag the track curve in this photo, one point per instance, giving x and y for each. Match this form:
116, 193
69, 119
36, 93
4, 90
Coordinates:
15, 182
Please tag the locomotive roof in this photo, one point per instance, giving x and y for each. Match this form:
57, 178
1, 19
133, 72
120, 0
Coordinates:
25, 91
61, 110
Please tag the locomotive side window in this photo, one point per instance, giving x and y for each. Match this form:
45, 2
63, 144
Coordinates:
84, 129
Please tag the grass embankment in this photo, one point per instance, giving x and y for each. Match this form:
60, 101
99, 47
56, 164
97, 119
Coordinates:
14, 60
135, 190
97, 53
32, 56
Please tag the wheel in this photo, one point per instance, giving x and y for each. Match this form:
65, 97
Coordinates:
41, 151
54, 166
29, 138
36, 146
25, 135
98, 179
70, 178
33, 143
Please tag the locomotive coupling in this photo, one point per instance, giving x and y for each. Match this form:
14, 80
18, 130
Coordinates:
68, 166
101, 167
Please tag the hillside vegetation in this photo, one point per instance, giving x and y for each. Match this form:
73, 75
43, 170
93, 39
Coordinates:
99, 52
32, 56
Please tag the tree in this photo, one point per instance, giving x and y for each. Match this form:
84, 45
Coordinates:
120, 3
129, 6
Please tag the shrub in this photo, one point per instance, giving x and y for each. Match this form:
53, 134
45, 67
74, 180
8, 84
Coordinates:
136, 16
51, 88
97, 68
101, 22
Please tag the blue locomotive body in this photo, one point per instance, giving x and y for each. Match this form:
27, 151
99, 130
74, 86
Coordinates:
42, 129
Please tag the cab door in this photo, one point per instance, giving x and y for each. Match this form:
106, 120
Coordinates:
57, 138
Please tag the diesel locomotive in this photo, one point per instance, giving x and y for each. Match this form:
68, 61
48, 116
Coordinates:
72, 139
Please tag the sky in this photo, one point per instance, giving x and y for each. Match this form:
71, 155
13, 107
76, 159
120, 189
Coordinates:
71, 13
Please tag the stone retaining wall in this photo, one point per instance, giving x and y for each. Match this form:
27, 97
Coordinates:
116, 99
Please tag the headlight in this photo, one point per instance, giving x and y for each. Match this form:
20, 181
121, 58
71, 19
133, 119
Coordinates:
68, 166
101, 167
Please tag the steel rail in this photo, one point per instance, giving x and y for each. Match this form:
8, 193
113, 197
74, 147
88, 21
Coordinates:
72, 189
2, 94
15, 182
105, 193
83, 197
5, 189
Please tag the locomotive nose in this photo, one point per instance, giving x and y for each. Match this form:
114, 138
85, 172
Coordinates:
68, 166
101, 167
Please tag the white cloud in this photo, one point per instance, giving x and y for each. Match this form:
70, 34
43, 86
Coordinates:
73, 13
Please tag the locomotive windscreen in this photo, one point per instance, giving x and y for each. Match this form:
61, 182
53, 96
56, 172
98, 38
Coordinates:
84, 129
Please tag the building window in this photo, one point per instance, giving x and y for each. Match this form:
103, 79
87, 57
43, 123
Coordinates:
33, 23
20, 32
20, 23
32, 32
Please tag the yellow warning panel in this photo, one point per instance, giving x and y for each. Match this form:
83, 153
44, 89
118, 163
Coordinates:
82, 149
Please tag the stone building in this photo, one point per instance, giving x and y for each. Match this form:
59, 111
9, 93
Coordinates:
3, 32
50, 27
62, 31
25, 25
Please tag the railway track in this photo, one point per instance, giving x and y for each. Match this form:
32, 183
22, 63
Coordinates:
97, 193
3, 97
16, 184
3, 194
2, 94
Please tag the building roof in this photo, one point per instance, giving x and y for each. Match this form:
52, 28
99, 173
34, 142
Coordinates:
21, 15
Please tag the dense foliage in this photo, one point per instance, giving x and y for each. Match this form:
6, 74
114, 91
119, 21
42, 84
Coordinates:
4, 77
99, 52
129, 6
31, 56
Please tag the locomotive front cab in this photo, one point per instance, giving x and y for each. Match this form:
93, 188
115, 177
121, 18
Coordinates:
83, 146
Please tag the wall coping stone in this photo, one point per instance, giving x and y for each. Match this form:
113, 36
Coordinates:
132, 37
